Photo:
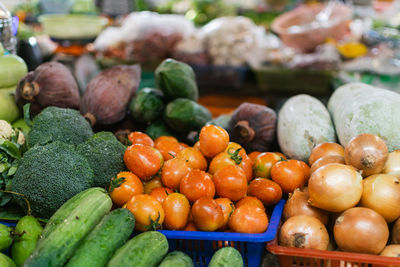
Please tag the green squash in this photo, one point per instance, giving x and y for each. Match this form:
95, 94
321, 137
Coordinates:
147, 105
9, 110
12, 70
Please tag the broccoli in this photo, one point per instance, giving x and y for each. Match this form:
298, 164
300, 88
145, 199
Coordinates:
105, 155
59, 124
50, 175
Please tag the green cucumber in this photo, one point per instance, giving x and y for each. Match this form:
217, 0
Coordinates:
6, 261
109, 235
147, 105
60, 243
176, 259
144, 250
12, 70
185, 115
5, 237
226, 257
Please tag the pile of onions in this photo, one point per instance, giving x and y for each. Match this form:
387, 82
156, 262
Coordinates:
396, 232
297, 204
382, 194
304, 231
325, 149
391, 251
367, 153
392, 165
326, 160
335, 187
361, 230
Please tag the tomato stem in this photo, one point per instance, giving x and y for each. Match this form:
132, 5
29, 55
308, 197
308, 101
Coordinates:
116, 182
235, 156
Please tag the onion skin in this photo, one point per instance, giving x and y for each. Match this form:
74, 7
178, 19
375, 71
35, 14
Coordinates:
382, 194
304, 231
297, 204
325, 149
335, 187
396, 232
367, 153
391, 251
392, 165
361, 230
326, 160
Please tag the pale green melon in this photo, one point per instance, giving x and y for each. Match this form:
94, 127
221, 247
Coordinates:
9, 111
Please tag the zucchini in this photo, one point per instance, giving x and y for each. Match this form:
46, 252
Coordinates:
147, 106
12, 70
59, 244
98, 247
226, 257
176, 259
184, 115
144, 250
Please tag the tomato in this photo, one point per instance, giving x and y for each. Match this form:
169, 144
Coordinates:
253, 155
197, 145
306, 169
280, 155
263, 163
139, 138
144, 161
197, 184
227, 158
289, 175
148, 212
194, 158
173, 171
124, 187
248, 219
252, 201
207, 214
183, 145
213, 140
230, 182
190, 227
232, 147
168, 146
265, 190
152, 184
161, 193
227, 208
176, 207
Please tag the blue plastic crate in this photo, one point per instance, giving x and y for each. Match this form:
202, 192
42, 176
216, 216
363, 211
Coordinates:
200, 246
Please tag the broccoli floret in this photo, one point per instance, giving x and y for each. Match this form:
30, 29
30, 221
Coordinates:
59, 124
105, 155
50, 175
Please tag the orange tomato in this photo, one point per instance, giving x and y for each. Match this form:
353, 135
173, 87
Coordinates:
197, 184
213, 140
183, 145
161, 193
252, 201
148, 212
173, 172
176, 207
197, 145
194, 158
124, 187
306, 169
190, 227
253, 155
168, 146
280, 155
152, 184
248, 219
232, 147
227, 208
227, 158
265, 190
289, 175
230, 182
144, 161
139, 138
207, 214
263, 163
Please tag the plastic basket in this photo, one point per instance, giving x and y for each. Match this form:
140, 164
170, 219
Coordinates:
200, 246
289, 257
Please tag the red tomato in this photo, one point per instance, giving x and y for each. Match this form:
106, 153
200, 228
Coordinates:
232, 147
230, 182
266, 190
190, 227
173, 172
150, 185
213, 140
306, 168
248, 219
227, 208
248, 200
197, 184
227, 158
207, 214
263, 163
289, 175
124, 187
139, 138
176, 207
161, 193
168, 146
194, 158
197, 145
148, 212
253, 155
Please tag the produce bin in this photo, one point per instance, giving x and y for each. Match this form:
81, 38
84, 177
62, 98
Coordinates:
200, 246
289, 257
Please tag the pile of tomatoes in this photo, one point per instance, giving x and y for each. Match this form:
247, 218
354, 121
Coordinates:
212, 186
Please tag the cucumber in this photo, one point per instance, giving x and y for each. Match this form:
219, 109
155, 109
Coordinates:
61, 241
12, 70
176, 259
144, 250
157, 129
226, 257
185, 115
100, 244
147, 106
6, 261
303, 123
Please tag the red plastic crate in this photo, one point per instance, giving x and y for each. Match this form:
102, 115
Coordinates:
322, 258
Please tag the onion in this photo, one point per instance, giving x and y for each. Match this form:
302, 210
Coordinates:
396, 232
303, 231
335, 187
361, 230
382, 194
367, 153
297, 204
392, 165
391, 251
325, 149
326, 160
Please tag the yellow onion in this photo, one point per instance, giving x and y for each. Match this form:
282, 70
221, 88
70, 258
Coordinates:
335, 187
326, 160
392, 165
396, 232
325, 149
382, 194
391, 251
